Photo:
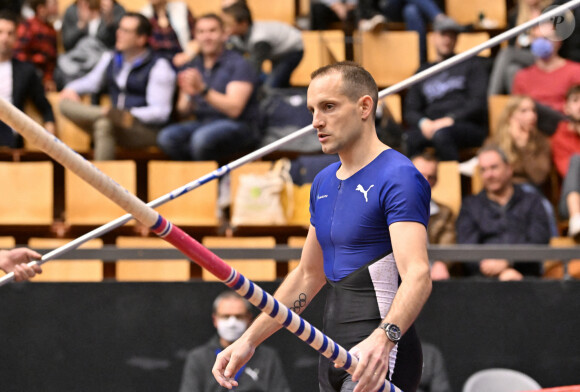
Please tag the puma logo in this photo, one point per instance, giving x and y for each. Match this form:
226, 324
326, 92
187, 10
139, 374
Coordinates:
360, 188
252, 373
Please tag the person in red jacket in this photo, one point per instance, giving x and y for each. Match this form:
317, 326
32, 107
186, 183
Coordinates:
566, 153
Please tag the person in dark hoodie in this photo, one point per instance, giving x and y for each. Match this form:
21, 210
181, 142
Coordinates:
447, 111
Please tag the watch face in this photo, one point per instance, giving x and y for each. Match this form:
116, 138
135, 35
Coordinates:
393, 332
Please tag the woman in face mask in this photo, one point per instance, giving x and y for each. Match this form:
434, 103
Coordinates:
231, 317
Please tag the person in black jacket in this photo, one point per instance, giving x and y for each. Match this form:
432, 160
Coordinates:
447, 111
19, 82
502, 213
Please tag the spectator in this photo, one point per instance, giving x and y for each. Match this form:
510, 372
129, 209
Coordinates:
517, 54
19, 82
434, 377
231, 316
415, 13
37, 40
548, 80
141, 86
441, 227
88, 30
325, 13
527, 150
502, 213
173, 29
566, 152
218, 87
448, 110
16, 260
265, 40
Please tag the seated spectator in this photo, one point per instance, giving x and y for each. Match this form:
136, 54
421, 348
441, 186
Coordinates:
527, 149
20, 82
37, 40
231, 316
88, 30
325, 13
141, 87
441, 227
517, 54
448, 110
566, 152
415, 13
265, 40
218, 87
173, 29
548, 80
502, 213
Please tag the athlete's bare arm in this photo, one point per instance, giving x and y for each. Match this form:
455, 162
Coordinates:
409, 241
296, 292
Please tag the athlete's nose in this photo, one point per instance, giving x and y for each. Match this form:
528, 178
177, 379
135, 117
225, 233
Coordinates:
317, 121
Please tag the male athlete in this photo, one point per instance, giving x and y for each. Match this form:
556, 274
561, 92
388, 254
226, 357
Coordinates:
367, 240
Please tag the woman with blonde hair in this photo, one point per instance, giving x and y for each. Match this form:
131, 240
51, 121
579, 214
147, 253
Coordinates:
527, 149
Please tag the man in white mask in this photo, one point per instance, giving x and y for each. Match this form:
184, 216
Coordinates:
231, 316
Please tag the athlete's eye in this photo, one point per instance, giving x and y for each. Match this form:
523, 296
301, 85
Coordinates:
329, 106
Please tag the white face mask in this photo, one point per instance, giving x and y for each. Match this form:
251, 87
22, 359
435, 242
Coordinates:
231, 329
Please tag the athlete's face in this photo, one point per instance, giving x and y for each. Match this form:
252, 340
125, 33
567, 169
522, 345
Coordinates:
334, 116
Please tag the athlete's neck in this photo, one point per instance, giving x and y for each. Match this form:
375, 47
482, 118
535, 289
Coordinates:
359, 155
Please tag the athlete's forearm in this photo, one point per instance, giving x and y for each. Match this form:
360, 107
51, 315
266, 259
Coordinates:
410, 298
296, 292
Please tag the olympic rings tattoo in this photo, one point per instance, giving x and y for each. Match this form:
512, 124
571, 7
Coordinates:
299, 303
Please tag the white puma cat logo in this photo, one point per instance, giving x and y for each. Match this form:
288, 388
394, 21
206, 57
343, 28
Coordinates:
360, 188
252, 373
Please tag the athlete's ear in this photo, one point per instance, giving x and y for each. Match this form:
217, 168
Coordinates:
365, 106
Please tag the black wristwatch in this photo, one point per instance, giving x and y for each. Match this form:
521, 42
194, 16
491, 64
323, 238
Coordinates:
393, 332
205, 91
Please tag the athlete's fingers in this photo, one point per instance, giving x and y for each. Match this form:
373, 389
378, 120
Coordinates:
362, 363
218, 371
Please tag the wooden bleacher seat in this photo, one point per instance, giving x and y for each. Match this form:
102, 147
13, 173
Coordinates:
555, 269
295, 242
301, 203
281, 10
201, 7
390, 56
495, 106
27, 194
68, 270
196, 208
467, 12
448, 188
150, 270
253, 269
476, 182
320, 48
393, 102
465, 41
86, 206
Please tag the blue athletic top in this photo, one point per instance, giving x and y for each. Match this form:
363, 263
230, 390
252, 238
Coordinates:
352, 216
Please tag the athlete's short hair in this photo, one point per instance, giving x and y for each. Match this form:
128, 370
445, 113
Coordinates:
356, 81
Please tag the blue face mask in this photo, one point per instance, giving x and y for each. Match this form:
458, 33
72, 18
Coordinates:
542, 48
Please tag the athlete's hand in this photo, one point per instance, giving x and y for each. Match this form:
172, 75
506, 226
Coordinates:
230, 361
373, 355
